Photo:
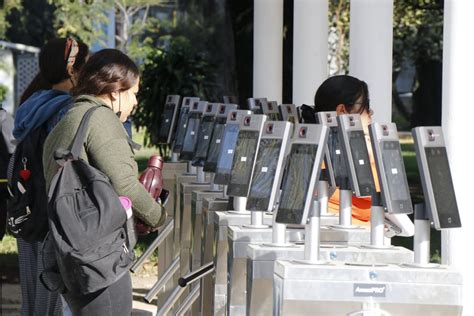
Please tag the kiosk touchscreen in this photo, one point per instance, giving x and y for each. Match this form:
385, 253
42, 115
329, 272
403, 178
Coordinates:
226, 150
192, 128
266, 178
334, 163
168, 119
289, 113
255, 105
356, 154
244, 157
270, 109
438, 189
390, 168
210, 164
301, 173
182, 121
206, 129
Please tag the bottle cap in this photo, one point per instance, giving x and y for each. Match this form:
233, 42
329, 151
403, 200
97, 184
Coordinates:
127, 205
156, 161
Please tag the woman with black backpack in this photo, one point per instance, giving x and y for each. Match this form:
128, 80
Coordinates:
42, 104
108, 85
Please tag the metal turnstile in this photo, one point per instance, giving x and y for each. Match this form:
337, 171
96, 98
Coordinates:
261, 260
341, 289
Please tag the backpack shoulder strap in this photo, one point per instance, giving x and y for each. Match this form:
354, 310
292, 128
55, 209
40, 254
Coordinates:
79, 139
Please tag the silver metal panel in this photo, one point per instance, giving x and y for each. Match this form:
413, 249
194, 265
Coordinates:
381, 134
341, 289
207, 251
425, 138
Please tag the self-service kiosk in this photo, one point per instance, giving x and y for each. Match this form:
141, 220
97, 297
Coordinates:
382, 288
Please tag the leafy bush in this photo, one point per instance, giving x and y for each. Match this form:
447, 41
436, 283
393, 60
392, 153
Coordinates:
177, 69
3, 92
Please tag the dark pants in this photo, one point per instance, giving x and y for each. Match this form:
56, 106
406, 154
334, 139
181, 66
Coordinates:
115, 300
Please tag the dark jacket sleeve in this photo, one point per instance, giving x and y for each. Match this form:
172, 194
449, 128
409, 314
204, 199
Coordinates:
108, 150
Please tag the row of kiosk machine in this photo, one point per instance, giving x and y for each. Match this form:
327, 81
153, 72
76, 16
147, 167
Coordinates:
249, 231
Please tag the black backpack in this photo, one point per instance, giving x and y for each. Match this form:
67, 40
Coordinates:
87, 224
27, 205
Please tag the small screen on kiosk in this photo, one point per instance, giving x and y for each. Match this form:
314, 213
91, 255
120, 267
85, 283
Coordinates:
264, 174
245, 152
205, 133
395, 171
165, 124
443, 189
295, 183
181, 129
360, 157
226, 154
190, 138
214, 146
273, 116
337, 156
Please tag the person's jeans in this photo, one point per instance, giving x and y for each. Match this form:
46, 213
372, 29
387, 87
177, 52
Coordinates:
115, 300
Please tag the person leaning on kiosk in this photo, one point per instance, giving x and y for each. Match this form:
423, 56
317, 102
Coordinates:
349, 95
110, 79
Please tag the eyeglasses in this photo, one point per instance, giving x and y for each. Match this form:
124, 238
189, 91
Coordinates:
70, 53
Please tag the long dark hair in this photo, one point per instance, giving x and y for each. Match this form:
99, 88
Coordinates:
342, 89
52, 64
107, 71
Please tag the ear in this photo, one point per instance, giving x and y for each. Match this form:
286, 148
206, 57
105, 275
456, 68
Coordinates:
341, 109
114, 96
70, 72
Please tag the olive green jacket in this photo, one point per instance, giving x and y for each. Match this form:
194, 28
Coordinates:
106, 147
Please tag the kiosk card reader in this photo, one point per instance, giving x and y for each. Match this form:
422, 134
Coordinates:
245, 151
438, 189
266, 179
301, 173
356, 154
182, 122
206, 129
215, 143
229, 141
390, 168
168, 119
289, 112
270, 109
192, 128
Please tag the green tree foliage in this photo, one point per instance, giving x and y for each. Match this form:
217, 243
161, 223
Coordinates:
81, 19
5, 9
176, 69
31, 24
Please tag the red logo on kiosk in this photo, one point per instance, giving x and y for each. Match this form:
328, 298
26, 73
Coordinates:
209, 108
269, 128
302, 132
384, 130
186, 102
270, 106
288, 109
247, 121
222, 109
195, 105
233, 116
